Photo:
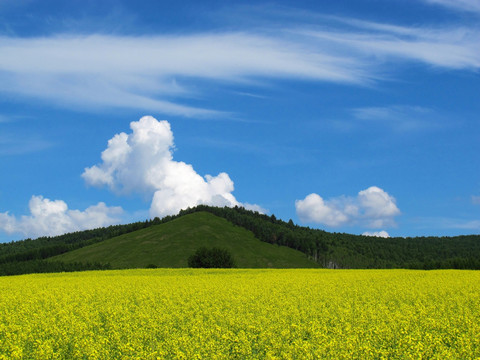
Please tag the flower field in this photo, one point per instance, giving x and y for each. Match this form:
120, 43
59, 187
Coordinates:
241, 314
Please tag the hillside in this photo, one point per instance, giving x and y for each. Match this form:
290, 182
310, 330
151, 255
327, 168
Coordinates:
357, 251
339, 250
256, 240
170, 245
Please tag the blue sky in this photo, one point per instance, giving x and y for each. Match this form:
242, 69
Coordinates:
350, 116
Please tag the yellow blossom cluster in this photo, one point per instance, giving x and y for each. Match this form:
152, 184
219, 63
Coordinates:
241, 314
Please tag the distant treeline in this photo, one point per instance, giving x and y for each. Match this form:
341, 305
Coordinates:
44, 266
30, 256
333, 250
340, 250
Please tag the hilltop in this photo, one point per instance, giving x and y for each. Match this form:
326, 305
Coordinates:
170, 245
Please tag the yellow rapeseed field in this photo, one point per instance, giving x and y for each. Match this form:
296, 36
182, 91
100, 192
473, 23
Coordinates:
241, 314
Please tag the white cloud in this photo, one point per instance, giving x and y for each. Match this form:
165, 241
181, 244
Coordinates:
377, 207
475, 200
142, 162
52, 217
156, 73
255, 207
372, 207
462, 5
15, 145
382, 233
399, 117
449, 223
142, 72
314, 209
461, 224
453, 48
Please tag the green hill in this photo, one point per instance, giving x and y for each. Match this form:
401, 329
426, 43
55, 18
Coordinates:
170, 244
255, 240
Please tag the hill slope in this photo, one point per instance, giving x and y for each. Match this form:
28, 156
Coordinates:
356, 251
256, 240
170, 245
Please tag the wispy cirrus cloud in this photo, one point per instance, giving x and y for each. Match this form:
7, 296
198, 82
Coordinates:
142, 72
450, 223
402, 118
461, 5
451, 48
16, 145
160, 72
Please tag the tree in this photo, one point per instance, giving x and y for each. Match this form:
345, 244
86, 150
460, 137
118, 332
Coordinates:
211, 258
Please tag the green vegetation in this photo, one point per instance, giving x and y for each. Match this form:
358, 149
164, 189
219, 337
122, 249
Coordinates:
339, 250
172, 243
211, 258
30, 256
44, 266
255, 241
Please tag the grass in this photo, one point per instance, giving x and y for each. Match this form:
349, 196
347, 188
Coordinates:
170, 245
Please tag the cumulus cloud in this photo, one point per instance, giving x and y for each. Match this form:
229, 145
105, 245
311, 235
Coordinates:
382, 234
314, 209
52, 217
372, 207
142, 162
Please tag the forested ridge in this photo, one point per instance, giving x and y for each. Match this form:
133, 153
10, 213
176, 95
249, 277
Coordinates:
334, 250
31, 256
341, 250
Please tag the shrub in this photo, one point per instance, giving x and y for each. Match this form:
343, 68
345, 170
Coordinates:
211, 258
